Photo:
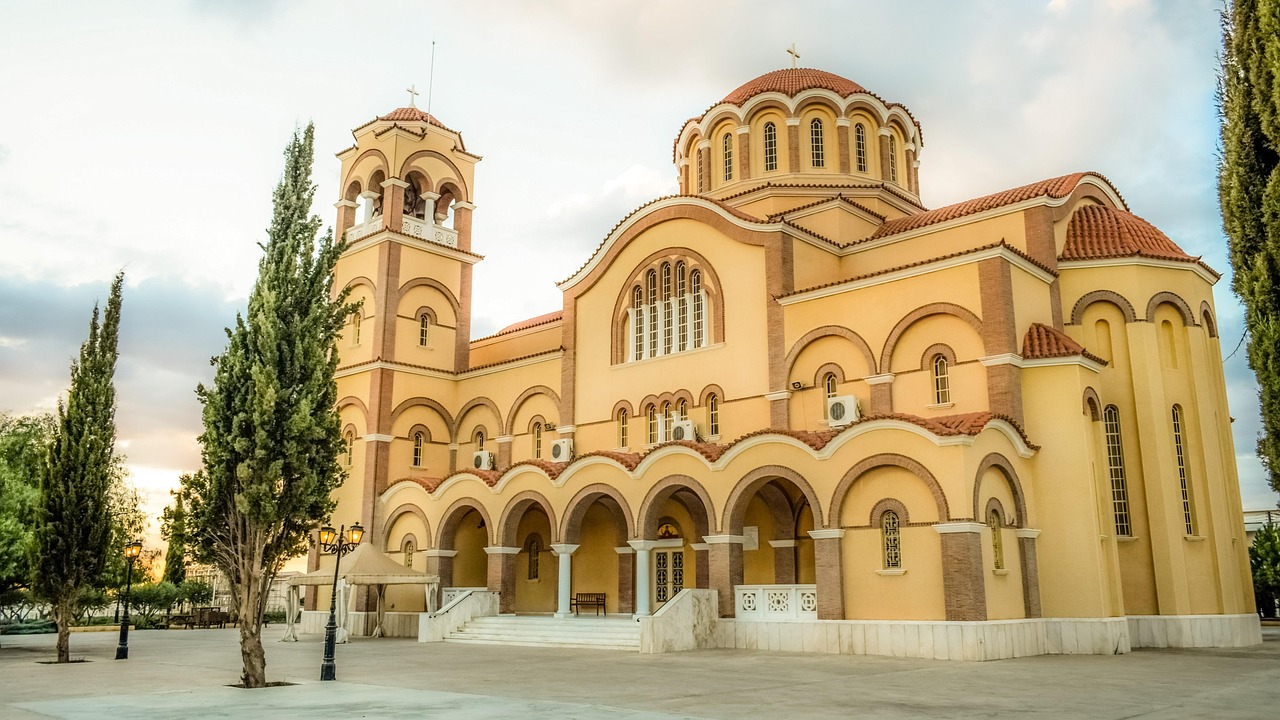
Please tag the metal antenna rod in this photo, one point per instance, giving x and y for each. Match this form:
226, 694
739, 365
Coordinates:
432, 76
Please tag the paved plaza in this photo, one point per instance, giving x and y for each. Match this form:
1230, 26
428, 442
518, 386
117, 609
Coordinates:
185, 673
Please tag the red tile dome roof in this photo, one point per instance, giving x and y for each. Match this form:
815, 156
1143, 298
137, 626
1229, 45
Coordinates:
413, 114
1097, 231
792, 81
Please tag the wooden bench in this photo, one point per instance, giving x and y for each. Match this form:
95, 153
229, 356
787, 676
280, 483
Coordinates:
581, 600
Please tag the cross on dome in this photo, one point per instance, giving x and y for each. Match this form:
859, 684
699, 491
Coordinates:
794, 55
413, 92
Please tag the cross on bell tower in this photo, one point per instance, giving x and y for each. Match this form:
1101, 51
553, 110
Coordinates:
413, 93
794, 55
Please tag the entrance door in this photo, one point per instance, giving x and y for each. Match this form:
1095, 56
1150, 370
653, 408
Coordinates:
668, 575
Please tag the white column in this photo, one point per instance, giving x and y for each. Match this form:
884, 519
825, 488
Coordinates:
429, 212
642, 548
368, 196
565, 552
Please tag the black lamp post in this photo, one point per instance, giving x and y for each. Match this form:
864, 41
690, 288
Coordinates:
131, 553
339, 544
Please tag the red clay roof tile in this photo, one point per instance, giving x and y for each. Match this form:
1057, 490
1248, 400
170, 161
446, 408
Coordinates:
791, 82
1097, 231
1042, 341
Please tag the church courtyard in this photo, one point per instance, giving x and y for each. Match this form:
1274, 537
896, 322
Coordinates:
183, 674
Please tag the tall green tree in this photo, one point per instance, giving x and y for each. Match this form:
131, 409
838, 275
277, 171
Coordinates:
72, 520
1249, 193
1264, 562
24, 441
271, 431
173, 524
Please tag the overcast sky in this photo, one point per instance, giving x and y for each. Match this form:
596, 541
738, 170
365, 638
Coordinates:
148, 136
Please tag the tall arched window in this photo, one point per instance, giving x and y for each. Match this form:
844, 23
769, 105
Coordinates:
665, 415
537, 440
417, 449
668, 319
408, 553
682, 410
860, 146
713, 414
770, 147
424, 324
727, 142
637, 322
682, 310
890, 540
816, 152
997, 542
622, 428
828, 390
534, 548
653, 424
349, 446
479, 440
893, 159
695, 282
1179, 447
652, 280
355, 328
1115, 467
941, 380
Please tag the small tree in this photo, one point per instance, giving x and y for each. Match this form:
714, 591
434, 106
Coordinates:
173, 529
72, 519
1264, 561
195, 592
271, 431
150, 599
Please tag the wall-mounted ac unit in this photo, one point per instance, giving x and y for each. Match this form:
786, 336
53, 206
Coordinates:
842, 410
683, 430
482, 460
562, 450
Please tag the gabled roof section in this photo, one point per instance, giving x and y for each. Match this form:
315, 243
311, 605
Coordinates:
1096, 232
1058, 188
1042, 341
413, 114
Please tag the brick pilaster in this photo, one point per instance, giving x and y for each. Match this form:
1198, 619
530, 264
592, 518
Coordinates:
502, 576
842, 134
784, 561
828, 553
963, 587
1000, 336
1030, 571
626, 580
440, 564
744, 155
793, 144
393, 204
881, 393
725, 568
884, 154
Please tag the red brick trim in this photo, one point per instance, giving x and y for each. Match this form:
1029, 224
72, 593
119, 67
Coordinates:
926, 359
1111, 296
358, 404
924, 311
708, 390
404, 509
408, 165
623, 405
576, 510
995, 504
881, 460
889, 504
454, 515
736, 506
821, 373
428, 403
1001, 463
471, 405
1091, 404
664, 489
383, 165
515, 406
828, 331
516, 507
693, 260
1168, 298
1207, 319
454, 304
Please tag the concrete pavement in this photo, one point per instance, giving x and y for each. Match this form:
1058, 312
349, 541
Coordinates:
185, 673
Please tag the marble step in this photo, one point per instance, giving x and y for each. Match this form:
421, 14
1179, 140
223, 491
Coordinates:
616, 633
544, 643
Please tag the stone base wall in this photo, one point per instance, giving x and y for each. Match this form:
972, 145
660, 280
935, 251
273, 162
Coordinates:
1159, 631
361, 624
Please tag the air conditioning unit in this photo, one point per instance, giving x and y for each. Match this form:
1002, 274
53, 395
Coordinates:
562, 450
842, 410
684, 430
482, 460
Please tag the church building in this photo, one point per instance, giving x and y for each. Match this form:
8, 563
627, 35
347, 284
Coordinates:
793, 384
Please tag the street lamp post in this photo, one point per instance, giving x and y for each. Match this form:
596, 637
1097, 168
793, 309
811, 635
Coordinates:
339, 544
131, 553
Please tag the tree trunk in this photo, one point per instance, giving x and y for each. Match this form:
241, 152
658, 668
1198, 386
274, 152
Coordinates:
63, 615
251, 653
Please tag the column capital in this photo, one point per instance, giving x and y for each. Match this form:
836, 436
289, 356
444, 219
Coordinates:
396, 182
885, 132
959, 527
777, 395
564, 548
624, 550
503, 439
642, 545
499, 550
373, 437
347, 204
440, 553
430, 196
463, 205
882, 379
699, 547
369, 194
724, 539
783, 543
825, 534
1030, 533
793, 121
566, 429
842, 122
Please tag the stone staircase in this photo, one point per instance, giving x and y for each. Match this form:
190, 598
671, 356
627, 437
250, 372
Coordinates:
615, 633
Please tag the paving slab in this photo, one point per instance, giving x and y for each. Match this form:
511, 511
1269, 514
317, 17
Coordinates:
184, 674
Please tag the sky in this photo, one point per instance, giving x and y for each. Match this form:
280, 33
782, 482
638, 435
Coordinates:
147, 136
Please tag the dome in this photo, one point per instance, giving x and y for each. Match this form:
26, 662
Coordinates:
413, 114
792, 81
1097, 231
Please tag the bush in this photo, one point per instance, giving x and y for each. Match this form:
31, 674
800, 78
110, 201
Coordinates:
151, 599
273, 616
195, 592
31, 627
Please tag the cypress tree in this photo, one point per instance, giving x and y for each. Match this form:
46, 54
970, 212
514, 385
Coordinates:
271, 432
72, 527
1249, 193
173, 529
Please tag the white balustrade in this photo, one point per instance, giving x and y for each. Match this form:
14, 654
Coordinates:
365, 230
446, 236
452, 592
776, 602
411, 226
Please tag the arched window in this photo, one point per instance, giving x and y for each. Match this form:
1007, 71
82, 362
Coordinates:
665, 416
682, 410
698, 321
828, 390
537, 440
860, 146
997, 542
815, 143
622, 428
424, 324
417, 449
893, 159
355, 328
890, 540
770, 147
1179, 447
1115, 467
941, 380
479, 440
637, 322
713, 414
727, 142
682, 310
668, 319
349, 446
700, 181
534, 547
652, 280
653, 425
408, 553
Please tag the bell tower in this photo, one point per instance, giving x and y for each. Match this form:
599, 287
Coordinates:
407, 186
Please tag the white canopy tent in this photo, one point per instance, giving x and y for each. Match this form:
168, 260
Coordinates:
363, 566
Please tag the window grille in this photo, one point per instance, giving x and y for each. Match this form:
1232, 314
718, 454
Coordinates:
667, 325
355, 329
682, 309
941, 381
728, 157
682, 409
997, 542
622, 428
1115, 466
479, 440
350, 443
424, 324
891, 540
652, 312
653, 424
637, 319
699, 170
1188, 517
770, 147
713, 414
860, 146
815, 143
537, 440
695, 281
535, 549
893, 159
417, 449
